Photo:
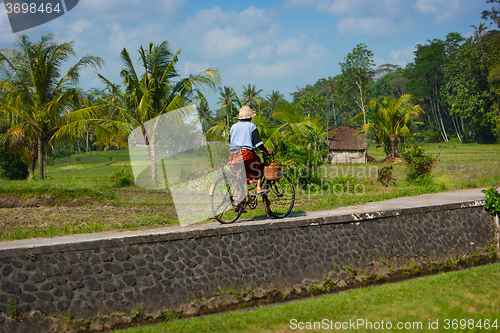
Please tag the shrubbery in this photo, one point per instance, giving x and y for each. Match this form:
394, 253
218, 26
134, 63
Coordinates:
302, 164
12, 167
385, 176
492, 201
121, 178
418, 165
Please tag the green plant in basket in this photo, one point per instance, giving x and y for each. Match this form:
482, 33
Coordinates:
273, 167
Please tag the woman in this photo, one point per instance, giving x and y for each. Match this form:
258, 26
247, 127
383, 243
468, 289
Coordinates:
246, 135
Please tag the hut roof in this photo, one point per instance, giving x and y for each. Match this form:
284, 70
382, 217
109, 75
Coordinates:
344, 138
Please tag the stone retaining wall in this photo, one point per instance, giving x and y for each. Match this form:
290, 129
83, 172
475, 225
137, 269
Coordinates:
167, 272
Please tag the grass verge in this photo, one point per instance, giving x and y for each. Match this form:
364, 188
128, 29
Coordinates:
461, 300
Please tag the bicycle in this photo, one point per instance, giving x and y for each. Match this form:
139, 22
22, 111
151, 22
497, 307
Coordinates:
229, 198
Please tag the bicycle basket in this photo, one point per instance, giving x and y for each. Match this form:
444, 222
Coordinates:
273, 171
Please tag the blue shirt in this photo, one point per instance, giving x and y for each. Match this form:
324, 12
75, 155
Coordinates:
245, 134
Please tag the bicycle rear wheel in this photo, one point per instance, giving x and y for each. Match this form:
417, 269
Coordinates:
281, 196
224, 198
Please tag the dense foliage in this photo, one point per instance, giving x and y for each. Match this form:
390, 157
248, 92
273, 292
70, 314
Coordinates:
418, 165
385, 177
12, 167
492, 199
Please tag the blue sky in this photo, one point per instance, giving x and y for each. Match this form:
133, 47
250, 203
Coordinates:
276, 45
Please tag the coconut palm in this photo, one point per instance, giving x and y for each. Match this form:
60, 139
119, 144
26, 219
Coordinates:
389, 120
204, 112
273, 100
250, 94
219, 131
290, 125
227, 100
37, 96
154, 92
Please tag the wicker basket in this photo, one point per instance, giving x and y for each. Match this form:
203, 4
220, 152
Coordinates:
273, 171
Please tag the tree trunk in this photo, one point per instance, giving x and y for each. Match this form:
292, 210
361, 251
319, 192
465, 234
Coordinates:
87, 141
152, 156
152, 152
457, 128
334, 114
32, 168
442, 124
362, 104
32, 157
439, 120
393, 148
497, 234
40, 159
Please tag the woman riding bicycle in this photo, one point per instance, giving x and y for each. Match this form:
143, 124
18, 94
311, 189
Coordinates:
246, 135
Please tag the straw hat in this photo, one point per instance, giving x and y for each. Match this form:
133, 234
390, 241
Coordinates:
245, 112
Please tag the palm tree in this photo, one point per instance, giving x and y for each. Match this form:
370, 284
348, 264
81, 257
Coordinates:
290, 125
479, 33
153, 93
273, 100
260, 104
218, 132
250, 93
204, 112
227, 99
389, 120
37, 96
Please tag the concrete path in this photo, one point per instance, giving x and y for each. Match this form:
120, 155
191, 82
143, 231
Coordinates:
472, 196
424, 200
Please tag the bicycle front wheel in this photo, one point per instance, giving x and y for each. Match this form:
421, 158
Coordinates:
225, 196
281, 196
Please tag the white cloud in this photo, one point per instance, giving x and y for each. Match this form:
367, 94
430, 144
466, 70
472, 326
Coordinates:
402, 57
449, 11
443, 10
127, 11
79, 26
189, 68
253, 18
120, 36
426, 6
261, 52
373, 26
225, 42
305, 64
339, 6
316, 51
352, 7
375, 18
205, 19
257, 71
289, 46
330, 6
